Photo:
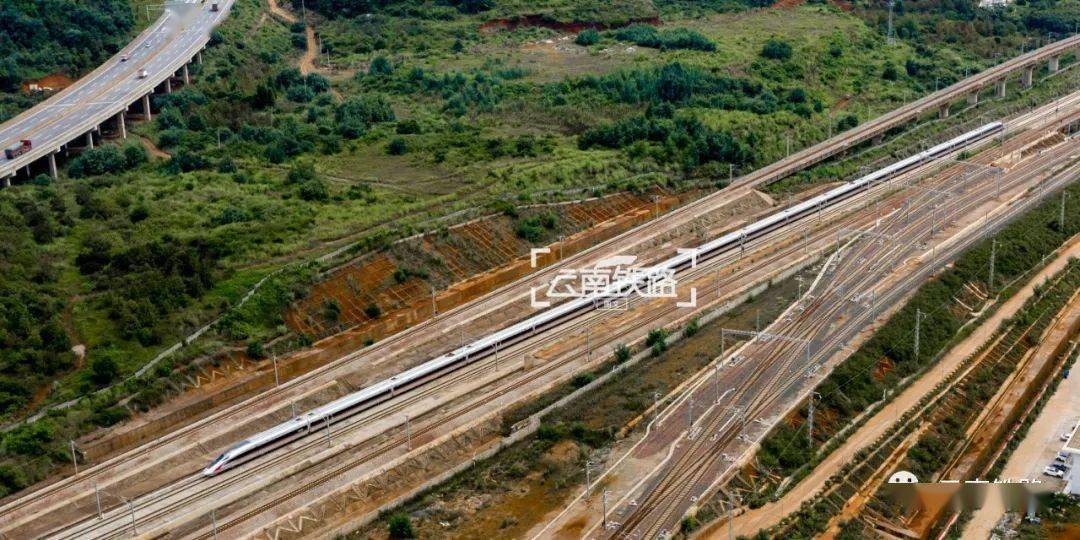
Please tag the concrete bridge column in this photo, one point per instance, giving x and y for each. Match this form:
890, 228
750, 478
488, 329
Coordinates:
121, 124
52, 165
7, 181
878, 139
187, 77
973, 99
943, 112
168, 85
198, 57
999, 89
1055, 64
147, 114
1028, 76
90, 139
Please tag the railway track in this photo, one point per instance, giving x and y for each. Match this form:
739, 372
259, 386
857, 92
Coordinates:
238, 414
681, 477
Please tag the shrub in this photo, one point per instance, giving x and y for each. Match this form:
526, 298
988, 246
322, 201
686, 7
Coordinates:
530, 229
314, 190
373, 311
96, 161
380, 67
581, 379
776, 49
401, 526
396, 147
255, 350
587, 37
622, 353
356, 114
890, 73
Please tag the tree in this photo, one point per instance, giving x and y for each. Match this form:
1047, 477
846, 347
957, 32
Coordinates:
263, 96
401, 526
380, 67
103, 370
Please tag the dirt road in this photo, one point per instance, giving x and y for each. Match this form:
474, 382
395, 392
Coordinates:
1036, 450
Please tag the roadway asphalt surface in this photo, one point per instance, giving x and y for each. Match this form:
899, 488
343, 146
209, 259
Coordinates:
181, 31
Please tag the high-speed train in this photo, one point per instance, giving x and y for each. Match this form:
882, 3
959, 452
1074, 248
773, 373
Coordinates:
325, 415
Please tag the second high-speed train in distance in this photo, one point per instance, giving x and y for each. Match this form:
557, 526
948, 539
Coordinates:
302, 425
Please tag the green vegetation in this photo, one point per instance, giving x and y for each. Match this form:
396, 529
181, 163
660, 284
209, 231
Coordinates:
400, 526
432, 109
45, 36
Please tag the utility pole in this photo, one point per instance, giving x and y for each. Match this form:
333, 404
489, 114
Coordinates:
588, 344
277, 380
716, 380
97, 499
810, 420
408, 433
605, 508
730, 519
993, 255
690, 412
74, 460
588, 478
131, 509
730, 172
918, 321
890, 39
327, 431
434, 307
213, 520
1061, 216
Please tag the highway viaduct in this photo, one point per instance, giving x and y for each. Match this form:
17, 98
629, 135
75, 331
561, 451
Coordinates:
103, 100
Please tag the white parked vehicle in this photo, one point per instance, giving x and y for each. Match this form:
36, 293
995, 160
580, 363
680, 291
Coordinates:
1051, 471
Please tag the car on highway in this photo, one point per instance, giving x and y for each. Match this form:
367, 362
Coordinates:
124, 58
1055, 472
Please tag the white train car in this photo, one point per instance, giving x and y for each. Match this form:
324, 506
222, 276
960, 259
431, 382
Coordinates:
300, 426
